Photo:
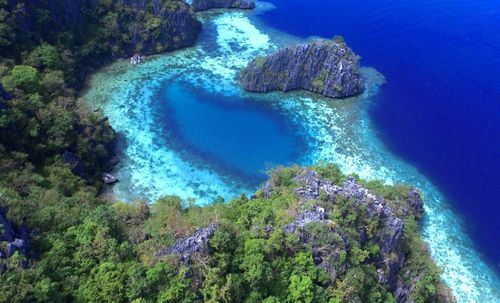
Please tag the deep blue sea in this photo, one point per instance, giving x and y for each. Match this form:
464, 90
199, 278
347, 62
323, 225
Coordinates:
440, 108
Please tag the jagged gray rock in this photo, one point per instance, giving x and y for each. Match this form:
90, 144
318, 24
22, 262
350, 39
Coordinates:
14, 239
327, 67
203, 5
179, 26
326, 238
305, 217
416, 204
187, 247
108, 178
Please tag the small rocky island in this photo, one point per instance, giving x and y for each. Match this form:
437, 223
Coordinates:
327, 67
203, 5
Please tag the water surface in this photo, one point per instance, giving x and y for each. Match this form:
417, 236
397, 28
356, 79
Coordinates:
241, 138
167, 152
440, 109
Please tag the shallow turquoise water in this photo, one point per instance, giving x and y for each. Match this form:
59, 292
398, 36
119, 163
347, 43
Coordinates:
160, 158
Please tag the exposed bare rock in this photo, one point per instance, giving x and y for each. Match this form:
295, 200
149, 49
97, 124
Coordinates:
327, 67
306, 217
13, 239
108, 178
186, 247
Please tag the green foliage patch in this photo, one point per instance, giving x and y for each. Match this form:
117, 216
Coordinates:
94, 251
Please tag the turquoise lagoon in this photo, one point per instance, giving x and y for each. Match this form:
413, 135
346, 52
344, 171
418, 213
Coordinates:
241, 139
188, 129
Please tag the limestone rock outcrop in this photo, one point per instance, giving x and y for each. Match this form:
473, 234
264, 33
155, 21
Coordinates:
152, 26
316, 193
327, 67
321, 225
13, 239
188, 246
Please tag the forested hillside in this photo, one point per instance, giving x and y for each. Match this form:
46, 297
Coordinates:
53, 149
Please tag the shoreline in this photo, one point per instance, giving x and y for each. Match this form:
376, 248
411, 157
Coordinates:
366, 156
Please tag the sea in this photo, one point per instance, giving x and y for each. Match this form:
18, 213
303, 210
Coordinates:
429, 116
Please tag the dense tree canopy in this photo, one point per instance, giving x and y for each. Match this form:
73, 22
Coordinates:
93, 251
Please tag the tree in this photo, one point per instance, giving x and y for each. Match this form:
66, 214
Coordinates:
301, 289
53, 81
24, 77
256, 271
44, 56
106, 284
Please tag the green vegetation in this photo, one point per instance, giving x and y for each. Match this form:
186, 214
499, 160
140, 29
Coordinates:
22, 77
259, 61
93, 251
86, 249
339, 40
319, 82
45, 53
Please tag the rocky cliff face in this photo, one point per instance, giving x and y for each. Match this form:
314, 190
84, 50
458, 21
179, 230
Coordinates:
179, 27
150, 26
326, 67
186, 247
203, 5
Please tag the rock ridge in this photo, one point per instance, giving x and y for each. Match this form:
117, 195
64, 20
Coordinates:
315, 194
